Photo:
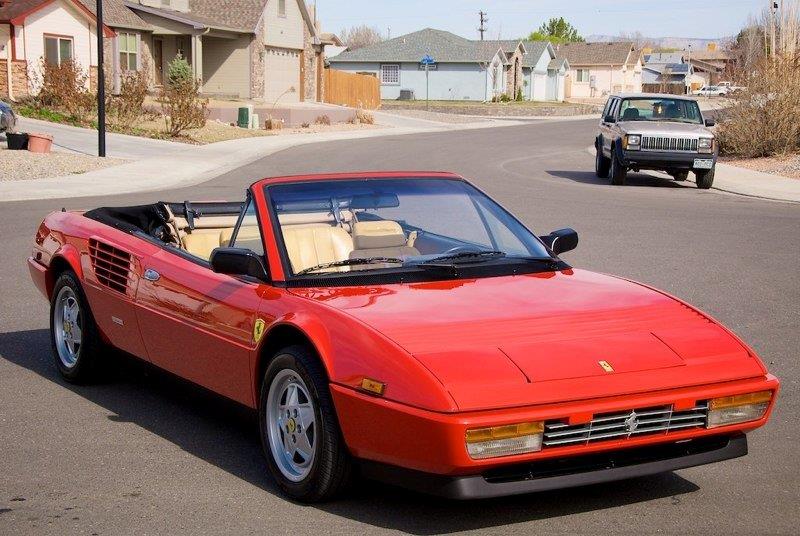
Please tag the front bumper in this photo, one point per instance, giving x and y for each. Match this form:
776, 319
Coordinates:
567, 472
663, 159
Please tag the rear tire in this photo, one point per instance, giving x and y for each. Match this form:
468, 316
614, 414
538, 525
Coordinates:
704, 178
601, 163
305, 450
680, 176
618, 171
74, 337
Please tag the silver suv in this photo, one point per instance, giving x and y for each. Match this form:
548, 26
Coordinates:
652, 131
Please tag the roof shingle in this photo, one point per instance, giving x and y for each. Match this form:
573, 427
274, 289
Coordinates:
595, 53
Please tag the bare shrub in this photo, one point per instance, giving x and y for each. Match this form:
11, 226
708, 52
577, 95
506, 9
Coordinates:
63, 87
364, 117
180, 99
765, 117
322, 120
130, 101
273, 124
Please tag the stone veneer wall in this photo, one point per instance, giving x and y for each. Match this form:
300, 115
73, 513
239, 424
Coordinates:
309, 70
19, 78
510, 89
257, 62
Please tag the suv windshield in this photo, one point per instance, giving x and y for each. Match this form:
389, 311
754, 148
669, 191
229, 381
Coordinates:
660, 109
345, 226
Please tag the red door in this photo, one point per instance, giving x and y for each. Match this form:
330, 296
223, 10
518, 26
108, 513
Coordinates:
199, 324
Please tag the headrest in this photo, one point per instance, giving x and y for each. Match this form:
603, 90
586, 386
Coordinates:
302, 218
378, 234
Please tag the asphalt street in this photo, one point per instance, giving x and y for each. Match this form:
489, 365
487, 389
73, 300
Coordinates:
146, 453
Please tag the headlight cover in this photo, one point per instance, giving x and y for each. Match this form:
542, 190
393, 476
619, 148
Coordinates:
507, 440
705, 145
738, 409
633, 141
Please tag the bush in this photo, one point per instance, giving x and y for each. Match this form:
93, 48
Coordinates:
765, 117
126, 108
63, 87
364, 117
518, 98
181, 101
322, 120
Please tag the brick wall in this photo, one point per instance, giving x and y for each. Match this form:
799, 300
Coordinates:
19, 79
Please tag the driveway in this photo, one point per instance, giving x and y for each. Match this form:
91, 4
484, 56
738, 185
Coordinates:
83, 140
146, 453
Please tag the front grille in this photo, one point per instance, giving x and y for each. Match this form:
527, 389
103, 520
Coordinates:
625, 424
111, 265
664, 143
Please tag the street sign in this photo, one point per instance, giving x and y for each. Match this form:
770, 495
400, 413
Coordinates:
427, 60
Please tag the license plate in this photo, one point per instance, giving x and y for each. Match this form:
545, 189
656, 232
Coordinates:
703, 163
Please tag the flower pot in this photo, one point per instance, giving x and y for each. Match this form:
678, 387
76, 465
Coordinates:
39, 143
17, 141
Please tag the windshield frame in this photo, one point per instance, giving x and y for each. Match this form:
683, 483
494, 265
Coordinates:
409, 272
676, 98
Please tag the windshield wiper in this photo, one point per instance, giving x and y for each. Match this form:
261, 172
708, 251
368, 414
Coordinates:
476, 255
351, 262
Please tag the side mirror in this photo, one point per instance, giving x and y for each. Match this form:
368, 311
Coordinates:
238, 261
609, 119
710, 122
561, 240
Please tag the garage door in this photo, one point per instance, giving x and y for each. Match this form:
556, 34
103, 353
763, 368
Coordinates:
281, 72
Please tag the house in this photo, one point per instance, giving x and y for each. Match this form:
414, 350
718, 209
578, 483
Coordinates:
463, 69
597, 69
665, 70
544, 74
257, 49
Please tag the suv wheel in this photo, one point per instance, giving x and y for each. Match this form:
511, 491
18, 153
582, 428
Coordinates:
601, 164
680, 176
618, 170
704, 178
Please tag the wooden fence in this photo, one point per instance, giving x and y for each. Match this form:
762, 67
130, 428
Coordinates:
354, 90
672, 89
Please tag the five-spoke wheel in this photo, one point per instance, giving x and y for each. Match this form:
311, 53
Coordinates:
292, 425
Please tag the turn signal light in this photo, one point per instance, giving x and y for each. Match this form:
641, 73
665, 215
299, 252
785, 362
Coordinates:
738, 408
373, 386
504, 440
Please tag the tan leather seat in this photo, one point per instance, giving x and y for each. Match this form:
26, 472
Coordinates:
248, 233
201, 244
380, 239
309, 246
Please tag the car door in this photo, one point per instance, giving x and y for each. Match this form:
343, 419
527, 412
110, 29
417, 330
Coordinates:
608, 128
199, 324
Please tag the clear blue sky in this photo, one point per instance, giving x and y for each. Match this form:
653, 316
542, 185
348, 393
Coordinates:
515, 18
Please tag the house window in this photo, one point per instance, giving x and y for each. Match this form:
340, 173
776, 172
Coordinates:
582, 75
390, 75
282, 8
57, 49
128, 51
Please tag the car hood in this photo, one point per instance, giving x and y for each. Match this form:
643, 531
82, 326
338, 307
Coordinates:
663, 128
547, 337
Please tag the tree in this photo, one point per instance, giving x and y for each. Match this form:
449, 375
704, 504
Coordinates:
556, 30
360, 36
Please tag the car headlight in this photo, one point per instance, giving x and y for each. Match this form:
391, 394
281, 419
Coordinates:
633, 141
705, 145
504, 440
739, 408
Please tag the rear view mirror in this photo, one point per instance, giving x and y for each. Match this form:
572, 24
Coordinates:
710, 122
238, 261
609, 119
561, 240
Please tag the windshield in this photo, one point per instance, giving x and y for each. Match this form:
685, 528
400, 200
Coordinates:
660, 109
359, 225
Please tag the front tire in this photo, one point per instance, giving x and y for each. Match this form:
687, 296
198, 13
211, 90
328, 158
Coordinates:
74, 337
300, 432
704, 178
601, 163
618, 171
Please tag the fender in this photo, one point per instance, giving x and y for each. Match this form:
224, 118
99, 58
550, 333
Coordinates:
72, 256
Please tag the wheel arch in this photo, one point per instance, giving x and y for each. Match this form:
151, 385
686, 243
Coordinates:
65, 258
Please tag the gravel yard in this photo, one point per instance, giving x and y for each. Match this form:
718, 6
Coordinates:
787, 166
24, 165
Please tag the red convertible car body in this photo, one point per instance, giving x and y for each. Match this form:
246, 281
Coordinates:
448, 379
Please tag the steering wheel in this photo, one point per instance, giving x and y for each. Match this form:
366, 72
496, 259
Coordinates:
460, 249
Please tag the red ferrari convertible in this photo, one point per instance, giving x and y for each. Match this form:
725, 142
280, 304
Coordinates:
406, 327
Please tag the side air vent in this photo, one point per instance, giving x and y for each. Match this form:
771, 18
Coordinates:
111, 265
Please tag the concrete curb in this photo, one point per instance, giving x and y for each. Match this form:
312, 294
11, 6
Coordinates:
194, 165
748, 183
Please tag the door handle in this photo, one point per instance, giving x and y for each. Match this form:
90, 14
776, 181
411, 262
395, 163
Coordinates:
151, 275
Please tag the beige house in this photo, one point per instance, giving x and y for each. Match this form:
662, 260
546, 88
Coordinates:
257, 49
598, 69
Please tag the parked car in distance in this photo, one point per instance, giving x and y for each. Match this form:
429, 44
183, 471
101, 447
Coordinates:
8, 120
730, 87
653, 131
712, 91
402, 326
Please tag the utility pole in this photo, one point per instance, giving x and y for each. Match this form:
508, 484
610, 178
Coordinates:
484, 19
773, 7
101, 85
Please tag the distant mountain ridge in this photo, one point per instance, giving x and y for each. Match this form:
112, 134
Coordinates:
679, 43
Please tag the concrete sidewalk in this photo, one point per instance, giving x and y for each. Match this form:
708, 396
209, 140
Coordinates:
195, 164
71, 139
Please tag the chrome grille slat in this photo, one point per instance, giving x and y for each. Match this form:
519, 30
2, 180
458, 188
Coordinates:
669, 143
652, 420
